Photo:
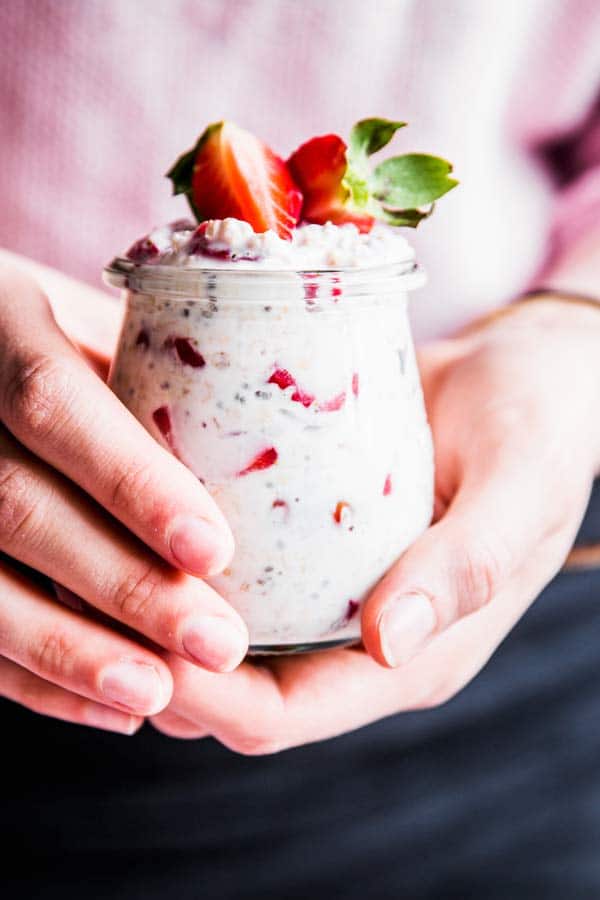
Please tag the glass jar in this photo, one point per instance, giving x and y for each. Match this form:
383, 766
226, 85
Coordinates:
296, 400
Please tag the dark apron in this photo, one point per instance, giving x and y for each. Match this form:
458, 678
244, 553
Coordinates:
495, 795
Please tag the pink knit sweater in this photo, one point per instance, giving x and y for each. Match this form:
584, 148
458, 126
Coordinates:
97, 98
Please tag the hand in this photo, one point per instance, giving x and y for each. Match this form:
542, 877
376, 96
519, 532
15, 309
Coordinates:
513, 408
90, 500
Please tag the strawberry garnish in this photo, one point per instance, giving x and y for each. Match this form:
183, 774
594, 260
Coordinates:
319, 167
387, 486
231, 173
339, 186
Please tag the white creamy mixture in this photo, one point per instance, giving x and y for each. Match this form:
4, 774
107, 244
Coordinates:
299, 406
311, 247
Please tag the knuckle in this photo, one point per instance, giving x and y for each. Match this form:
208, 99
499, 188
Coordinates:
479, 576
20, 516
36, 394
54, 657
134, 483
137, 595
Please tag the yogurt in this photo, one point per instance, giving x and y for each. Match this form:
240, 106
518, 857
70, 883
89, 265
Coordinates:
290, 388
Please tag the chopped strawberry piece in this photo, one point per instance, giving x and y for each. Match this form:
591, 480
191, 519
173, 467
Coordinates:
339, 511
143, 339
162, 420
318, 168
387, 487
355, 384
300, 396
353, 606
282, 378
279, 504
334, 404
199, 244
264, 460
143, 251
230, 172
186, 351
336, 291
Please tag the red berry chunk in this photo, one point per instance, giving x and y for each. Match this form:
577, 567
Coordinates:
264, 460
143, 339
186, 351
162, 420
279, 504
339, 511
353, 606
387, 487
143, 251
355, 384
334, 404
283, 379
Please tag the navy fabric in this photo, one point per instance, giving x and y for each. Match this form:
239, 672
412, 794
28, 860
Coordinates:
495, 795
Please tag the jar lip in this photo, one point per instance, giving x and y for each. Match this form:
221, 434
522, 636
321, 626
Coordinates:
123, 273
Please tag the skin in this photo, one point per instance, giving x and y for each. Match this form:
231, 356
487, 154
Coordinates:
513, 409
91, 501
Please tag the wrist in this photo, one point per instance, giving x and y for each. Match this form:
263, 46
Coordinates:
560, 333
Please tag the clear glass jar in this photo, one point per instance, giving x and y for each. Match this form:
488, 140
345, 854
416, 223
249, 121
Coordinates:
295, 398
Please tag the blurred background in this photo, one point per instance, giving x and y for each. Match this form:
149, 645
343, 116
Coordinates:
98, 97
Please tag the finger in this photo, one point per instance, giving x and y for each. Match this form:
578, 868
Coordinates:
490, 530
50, 526
47, 699
83, 657
175, 726
262, 709
53, 402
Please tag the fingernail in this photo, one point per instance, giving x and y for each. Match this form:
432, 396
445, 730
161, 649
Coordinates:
405, 625
132, 684
199, 546
214, 642
110, 719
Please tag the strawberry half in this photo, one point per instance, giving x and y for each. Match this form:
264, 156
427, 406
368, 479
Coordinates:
232, 173
319, 168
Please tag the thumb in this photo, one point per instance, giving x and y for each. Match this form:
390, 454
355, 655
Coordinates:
458, 565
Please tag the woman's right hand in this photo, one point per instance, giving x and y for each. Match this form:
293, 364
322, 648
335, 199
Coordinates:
90, 500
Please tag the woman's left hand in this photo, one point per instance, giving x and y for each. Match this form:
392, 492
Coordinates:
514, 409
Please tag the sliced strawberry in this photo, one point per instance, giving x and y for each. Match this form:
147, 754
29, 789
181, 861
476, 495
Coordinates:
263, 460
387, 487
318, 168
232, 173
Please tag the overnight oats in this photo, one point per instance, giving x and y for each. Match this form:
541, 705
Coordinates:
278, 365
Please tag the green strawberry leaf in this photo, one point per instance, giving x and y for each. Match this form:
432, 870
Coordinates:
409, 218
370, 135
181, 172
410, 181
357, 188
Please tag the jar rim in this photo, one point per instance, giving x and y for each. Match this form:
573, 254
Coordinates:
125, 274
